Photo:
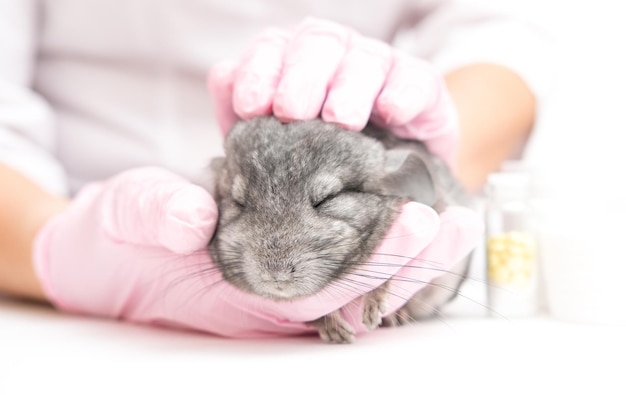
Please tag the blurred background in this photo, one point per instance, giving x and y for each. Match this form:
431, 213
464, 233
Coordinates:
576, 161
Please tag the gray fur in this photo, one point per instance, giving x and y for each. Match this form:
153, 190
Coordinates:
303, 203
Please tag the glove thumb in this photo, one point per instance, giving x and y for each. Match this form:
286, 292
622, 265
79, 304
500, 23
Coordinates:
154, 207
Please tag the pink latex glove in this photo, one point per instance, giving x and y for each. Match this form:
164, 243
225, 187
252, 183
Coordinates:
328, 70
133, 248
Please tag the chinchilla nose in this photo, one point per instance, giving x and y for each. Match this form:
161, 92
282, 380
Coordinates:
277, 272
276, 275
276, 259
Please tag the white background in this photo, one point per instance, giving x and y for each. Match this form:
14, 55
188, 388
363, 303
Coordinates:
579, 151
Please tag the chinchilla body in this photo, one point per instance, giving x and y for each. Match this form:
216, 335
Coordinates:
302, 203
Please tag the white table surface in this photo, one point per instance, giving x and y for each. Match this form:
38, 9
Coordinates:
46, 352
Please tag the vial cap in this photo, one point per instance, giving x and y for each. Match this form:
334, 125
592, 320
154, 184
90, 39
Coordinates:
514, 184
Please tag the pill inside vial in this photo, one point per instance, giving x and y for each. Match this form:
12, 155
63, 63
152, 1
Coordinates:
511, 258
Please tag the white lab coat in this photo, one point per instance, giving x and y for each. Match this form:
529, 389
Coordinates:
90, 88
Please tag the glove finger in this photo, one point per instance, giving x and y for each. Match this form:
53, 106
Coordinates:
459, 233
438, 128
258, 74
154, 207
220, 83
311, 60
190, 219
438, 119
357, 83
411, 88
415, 104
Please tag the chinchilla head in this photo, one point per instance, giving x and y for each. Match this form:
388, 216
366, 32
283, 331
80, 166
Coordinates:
300, 204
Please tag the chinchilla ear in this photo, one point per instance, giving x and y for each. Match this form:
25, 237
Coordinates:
407, 175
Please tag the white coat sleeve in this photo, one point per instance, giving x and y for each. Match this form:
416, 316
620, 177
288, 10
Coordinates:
455, 33
27, 133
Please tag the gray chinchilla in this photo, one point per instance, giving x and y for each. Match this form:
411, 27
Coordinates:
303, 203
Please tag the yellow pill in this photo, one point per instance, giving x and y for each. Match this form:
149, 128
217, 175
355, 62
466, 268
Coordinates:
511, 257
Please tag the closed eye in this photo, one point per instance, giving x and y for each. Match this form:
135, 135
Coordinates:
238, 203
323, 200
343, 193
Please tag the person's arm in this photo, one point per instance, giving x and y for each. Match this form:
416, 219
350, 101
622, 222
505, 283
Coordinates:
30, 176
498, 69
496, 114
24, 208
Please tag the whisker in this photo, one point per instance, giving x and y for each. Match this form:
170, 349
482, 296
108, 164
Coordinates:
455, 290
368, 287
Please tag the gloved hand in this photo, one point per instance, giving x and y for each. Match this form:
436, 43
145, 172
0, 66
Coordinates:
133, 248
328, 70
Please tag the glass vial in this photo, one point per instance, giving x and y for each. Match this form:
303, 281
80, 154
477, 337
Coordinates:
511, 246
